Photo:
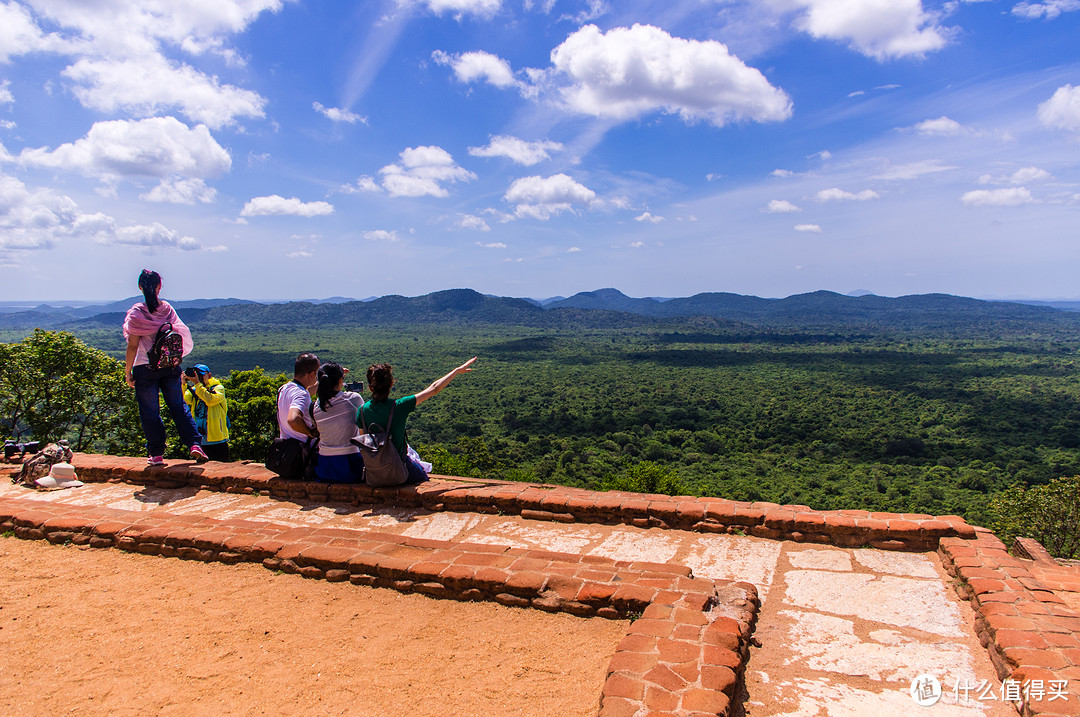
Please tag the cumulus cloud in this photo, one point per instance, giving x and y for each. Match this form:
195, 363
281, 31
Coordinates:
1049, 9
835, 194
380, 235
781, 206
812, 228
472, 66
1062, 110
471, 221
155, 147
458, 8
492, 245
914, 170
629, 72
1012, 197
40, 218
782, 173
364, 183
6, 98
517, 150
1024, 175
336, 114
181, 191
648, 217
940, 127
278, 205
881, 29
422, 171
543, 197
120, 49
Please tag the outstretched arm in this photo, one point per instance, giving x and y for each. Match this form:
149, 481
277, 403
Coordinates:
443, 382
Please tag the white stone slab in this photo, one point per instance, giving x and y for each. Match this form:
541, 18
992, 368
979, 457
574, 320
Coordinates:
902, 602
441, 526
729, 557
829, 644
821, 698
653, 545
816, 559
912, 565
536, 536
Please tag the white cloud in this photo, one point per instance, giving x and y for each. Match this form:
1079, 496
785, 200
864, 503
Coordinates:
835, 194
647, 217
517, 150
181, 191
278, 205
712, 175
1012, 197
458, 8
155, 147
119, 50
380, 235
783, 173
543, 197
914, 170
1049, 9
812, 228
940, 127
881, 29
1062, 110
364, 183
298, 254
336, 114
781, 206
573, 250
492, 245
1020, 176
636, 244
150, 84
423, 171
151, 235
6, 98
473, 66
629, 72
471, 221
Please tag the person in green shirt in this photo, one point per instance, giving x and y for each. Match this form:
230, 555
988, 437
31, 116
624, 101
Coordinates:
380, 378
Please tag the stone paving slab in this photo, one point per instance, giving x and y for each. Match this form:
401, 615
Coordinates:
857, 623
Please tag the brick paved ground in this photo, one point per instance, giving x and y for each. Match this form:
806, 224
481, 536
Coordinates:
842, 630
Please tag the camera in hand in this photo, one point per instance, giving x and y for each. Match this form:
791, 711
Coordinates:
357, 386
190, 372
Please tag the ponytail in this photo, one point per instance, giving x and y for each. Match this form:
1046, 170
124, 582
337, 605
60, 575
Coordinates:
150, 283
329, 375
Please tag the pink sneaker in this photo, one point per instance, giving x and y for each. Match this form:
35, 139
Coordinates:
155, 461
199, 454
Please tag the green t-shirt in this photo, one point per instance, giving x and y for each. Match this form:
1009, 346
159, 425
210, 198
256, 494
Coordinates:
377, 413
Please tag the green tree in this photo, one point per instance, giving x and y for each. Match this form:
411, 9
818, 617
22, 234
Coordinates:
646, 477
53, 386
1048, 513
252, 397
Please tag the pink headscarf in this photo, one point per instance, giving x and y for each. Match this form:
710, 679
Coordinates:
140, 322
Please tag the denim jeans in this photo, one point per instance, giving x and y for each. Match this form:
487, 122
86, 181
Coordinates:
148, 383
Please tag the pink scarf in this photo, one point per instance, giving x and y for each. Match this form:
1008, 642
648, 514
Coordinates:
140, 322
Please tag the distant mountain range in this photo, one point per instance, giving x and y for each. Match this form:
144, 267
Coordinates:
820, 311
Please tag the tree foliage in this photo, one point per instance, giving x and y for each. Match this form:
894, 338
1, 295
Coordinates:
1048, 513
53, 386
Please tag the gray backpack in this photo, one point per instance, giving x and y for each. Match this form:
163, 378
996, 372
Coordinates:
383, 465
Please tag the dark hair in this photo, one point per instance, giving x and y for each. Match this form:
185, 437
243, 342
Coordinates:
150, 283
305, 363
380, 378
330, 374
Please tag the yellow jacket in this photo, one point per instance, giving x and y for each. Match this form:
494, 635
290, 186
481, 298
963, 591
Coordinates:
209, 408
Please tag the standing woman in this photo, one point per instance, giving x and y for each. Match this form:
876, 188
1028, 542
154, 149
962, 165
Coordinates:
380, 380
334, 411
140, 328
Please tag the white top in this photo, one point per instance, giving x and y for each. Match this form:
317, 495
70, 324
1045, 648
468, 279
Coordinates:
337, 424
292, 395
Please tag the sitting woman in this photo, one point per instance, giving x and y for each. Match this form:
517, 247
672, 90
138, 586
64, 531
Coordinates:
335, 412
376, 412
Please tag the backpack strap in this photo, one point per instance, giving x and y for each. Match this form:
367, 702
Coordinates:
389, 421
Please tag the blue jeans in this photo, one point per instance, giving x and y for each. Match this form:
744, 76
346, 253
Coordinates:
416, 473
348, 468
148, 383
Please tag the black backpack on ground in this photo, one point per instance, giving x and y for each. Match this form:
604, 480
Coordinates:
167, 350
383, 465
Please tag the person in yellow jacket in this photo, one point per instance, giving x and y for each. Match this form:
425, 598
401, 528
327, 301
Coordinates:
205, 396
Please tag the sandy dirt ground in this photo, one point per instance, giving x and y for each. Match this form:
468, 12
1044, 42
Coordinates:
94, 632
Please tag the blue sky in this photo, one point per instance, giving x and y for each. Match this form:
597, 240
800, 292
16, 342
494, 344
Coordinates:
284, 149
